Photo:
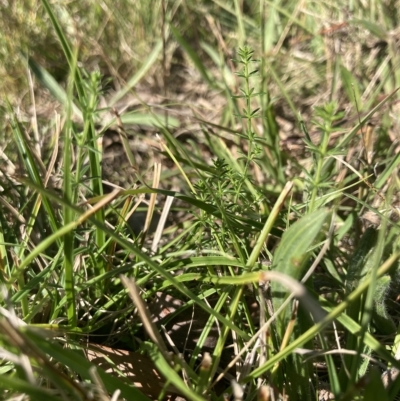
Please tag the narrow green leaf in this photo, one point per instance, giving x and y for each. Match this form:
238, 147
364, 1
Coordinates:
35, 392
68, 217
193, 55
373, 28
139, 74
71, 59
52, 85
151, 120
351, 87
347, 138
170, 374
241, 32
30, 163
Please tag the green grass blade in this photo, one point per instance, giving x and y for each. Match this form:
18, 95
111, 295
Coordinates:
170, 374
239, 18
139, 74
68, 214
52, 85
95, 156
30, 163
193, 56
67, 49
384, 176
345, 141
13, 384
150, 120
351, 87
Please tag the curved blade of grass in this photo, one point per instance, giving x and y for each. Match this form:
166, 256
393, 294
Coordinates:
222, 300
66, 49
4, 263
284, 11
170, 374
384, 176
13, 384
239, 17
222, 338
22, 249
375, 29
358, 269
218, 59
270, 27
193, 56
139, 74
345, 141
37, 279
282, 89
52, 85
178, 165
371, 296
351, 87
29, 161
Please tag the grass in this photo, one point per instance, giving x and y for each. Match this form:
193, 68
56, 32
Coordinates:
209, 189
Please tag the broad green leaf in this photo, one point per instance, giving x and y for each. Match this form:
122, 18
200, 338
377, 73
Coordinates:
374, 389
335, 313
381, 316
293, 251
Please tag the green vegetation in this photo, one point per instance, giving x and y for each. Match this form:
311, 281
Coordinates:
205, 188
